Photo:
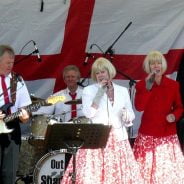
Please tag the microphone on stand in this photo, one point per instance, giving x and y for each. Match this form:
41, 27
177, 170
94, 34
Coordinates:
37, 51
88, 55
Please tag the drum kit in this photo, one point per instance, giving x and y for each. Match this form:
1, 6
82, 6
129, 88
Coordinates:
37, 164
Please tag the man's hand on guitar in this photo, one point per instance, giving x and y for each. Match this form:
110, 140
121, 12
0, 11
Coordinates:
1, 115
24, 116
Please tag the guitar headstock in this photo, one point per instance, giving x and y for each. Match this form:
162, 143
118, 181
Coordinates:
55, 99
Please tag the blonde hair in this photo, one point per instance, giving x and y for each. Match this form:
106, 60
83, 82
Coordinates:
71, 68
103, 64
154, 57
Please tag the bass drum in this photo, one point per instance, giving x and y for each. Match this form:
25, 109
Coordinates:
39, 125
50, 168
28, 157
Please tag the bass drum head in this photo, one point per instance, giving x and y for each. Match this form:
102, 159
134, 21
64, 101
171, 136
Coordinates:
50, 168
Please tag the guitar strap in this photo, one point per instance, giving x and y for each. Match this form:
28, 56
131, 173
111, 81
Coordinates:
13, 87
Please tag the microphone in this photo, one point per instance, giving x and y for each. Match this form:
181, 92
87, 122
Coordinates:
105, 84
91, 46
37, 51
150, 81
42, 4
128, 26
152, 78
87, 57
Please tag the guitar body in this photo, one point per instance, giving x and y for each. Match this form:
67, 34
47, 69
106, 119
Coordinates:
5, 108
3, 128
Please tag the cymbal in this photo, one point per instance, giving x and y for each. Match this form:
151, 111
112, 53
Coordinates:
76, 101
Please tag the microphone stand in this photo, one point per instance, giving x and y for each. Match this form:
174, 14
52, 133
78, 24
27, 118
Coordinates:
131, 83
89, 55
25, 57
109, 50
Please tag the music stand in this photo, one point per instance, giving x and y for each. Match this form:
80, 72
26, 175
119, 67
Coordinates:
76, 136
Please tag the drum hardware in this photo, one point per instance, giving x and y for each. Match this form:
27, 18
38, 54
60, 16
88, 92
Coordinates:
74, 146
81, 120
76, 120
76, 101
37, 142
56, 117
28, 179
69, 112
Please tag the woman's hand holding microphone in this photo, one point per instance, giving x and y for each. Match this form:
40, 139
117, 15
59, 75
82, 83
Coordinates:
150, 79
104, 83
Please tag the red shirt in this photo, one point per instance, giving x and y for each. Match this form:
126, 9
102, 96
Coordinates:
157, 103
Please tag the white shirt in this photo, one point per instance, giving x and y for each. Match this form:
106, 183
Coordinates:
61, 110
22, 94
107, 113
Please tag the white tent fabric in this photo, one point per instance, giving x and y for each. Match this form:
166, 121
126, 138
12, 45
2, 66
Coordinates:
155, 25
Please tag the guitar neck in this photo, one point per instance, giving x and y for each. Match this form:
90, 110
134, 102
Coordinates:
29, 108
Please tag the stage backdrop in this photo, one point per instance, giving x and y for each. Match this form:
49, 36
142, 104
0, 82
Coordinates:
66, 30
